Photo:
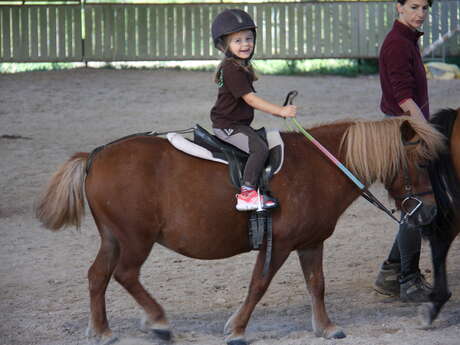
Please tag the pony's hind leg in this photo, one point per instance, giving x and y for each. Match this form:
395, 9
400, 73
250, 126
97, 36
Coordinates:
311, 261
99, 276
133, 255
235, 327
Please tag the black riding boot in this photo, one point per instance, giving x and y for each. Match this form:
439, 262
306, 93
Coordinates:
414, 288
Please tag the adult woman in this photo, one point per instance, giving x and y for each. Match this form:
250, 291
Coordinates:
404, 92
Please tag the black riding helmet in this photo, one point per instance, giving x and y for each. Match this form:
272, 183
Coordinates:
228, 22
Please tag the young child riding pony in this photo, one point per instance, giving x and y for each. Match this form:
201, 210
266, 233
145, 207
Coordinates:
234, 33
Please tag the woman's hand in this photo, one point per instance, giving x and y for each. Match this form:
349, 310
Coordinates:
411, 108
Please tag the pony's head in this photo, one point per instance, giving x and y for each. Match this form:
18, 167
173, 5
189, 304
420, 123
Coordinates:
396, 152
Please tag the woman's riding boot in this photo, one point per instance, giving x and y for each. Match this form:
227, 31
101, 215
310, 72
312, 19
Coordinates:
414, 288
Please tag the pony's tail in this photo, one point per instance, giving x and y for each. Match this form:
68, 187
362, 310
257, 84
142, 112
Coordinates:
62, 202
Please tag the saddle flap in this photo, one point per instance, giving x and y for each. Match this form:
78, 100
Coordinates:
203, 138
276, 146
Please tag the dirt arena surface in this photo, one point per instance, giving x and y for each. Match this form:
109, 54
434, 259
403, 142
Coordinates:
47, 116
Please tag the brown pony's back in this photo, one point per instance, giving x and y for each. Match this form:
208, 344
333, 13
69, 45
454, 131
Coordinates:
165, 196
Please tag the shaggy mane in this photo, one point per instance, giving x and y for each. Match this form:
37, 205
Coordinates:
374, 150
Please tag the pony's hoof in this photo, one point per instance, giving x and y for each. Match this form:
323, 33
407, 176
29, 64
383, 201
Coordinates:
110, 341
159, 329
107, 338
338, 335
163, 334
237, 342
334, 333
104, 340
427, 314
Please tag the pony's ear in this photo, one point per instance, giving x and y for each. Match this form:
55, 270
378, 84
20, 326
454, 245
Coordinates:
407, 131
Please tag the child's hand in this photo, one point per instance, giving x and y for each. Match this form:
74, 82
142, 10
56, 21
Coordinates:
288, 111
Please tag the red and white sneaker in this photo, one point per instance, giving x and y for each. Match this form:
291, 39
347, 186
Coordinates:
247, 200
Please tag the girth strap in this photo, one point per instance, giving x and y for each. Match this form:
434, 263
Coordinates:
260, 223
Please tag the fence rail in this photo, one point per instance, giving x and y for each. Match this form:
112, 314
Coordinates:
127, 32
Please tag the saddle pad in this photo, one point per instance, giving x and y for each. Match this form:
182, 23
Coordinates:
185, 145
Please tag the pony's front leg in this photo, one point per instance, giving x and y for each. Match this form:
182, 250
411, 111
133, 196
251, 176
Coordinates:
235, 327
311, 261
440, 244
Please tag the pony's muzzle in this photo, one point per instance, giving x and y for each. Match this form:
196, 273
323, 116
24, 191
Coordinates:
423, 216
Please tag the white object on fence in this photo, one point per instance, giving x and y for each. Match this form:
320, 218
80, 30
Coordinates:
440, 40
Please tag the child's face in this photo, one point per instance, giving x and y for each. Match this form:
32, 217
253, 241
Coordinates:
241, 43
413, 13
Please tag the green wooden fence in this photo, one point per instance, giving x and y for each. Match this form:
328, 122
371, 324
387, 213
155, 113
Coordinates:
41, 33
129, 32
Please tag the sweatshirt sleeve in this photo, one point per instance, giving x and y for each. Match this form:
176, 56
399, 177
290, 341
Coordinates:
236, 80
399, 61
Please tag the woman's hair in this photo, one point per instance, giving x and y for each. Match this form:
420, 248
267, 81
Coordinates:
402, 2
244, 64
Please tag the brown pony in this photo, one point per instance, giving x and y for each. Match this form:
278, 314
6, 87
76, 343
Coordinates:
142, 191
445, 178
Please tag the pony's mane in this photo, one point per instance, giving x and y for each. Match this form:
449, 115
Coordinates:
374, 150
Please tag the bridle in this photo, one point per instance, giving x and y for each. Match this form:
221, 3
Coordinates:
410, 203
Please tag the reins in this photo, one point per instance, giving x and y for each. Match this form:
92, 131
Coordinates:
365, 193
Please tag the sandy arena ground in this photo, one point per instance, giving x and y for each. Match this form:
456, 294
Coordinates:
47, 116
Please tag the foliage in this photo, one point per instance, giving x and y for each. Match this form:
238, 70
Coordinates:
453, 60
346, 67
7, 67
